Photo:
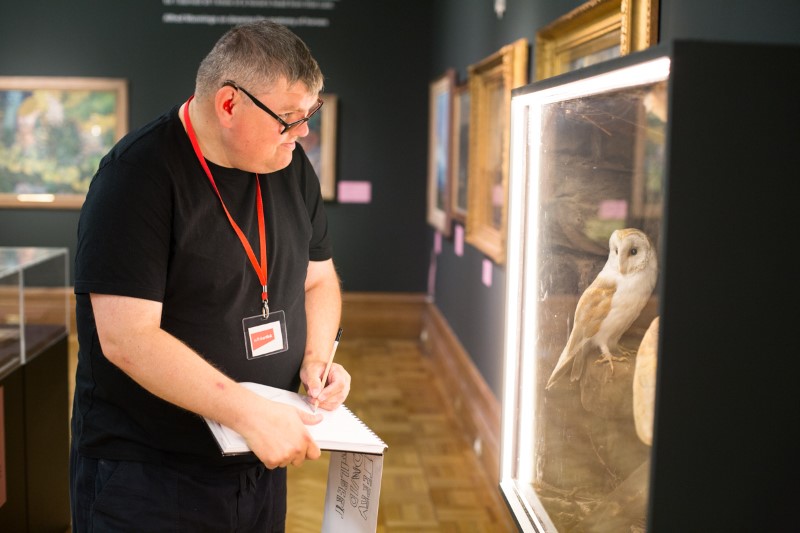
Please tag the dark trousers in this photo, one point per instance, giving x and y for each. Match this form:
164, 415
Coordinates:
111, 496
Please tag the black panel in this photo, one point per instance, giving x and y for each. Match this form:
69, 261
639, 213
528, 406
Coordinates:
723, 455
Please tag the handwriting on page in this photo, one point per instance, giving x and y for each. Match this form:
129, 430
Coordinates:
354, 484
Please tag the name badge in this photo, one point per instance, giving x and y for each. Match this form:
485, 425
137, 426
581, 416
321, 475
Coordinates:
265, 336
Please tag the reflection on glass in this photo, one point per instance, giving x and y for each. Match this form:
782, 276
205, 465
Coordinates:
586, 190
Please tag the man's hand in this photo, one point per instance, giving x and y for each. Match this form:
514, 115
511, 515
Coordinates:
332, 394
277, 434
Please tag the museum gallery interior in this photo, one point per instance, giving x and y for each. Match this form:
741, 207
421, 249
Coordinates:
560, 228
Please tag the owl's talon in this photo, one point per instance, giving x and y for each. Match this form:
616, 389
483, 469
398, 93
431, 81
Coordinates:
626, 352
608, 358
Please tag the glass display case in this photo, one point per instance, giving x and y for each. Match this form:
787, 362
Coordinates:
645, 193
34, 397
34, 302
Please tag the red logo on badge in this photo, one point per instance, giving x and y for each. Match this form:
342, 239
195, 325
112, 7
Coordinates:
261, 338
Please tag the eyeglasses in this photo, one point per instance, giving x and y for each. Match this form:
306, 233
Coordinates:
286, 125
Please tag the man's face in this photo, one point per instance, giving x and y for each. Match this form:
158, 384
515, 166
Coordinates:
254, 141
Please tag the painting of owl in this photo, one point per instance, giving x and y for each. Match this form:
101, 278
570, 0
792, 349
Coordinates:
610, 304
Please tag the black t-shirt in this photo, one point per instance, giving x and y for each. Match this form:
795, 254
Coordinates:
152, 227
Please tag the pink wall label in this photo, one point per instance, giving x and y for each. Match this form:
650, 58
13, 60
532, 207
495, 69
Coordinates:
459, 240
486, 275
354, 192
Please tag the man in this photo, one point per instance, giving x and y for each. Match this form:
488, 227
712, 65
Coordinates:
204, 260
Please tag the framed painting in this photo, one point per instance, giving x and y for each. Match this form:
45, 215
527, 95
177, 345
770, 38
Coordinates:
490, 84
53, 133
595, 31
460, 153
439, 151
320, 145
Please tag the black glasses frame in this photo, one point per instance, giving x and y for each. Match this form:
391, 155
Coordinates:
286, 125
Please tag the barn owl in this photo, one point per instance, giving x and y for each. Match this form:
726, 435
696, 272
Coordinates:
644, 384
608, 307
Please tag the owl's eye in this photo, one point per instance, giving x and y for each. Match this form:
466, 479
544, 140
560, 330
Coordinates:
634, 251
616, 251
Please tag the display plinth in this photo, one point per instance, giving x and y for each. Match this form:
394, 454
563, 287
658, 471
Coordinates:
34, 386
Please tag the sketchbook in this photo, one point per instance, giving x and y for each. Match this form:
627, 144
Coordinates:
339, 430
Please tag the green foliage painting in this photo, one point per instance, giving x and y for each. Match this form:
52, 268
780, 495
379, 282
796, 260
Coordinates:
52, 139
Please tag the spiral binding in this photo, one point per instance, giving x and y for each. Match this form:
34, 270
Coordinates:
364, 424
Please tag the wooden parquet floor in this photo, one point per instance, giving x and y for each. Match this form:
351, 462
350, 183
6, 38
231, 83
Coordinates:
432, 481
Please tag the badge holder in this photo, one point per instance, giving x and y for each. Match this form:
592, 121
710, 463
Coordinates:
265, 335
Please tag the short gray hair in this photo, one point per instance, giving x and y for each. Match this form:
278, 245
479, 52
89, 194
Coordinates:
256, 55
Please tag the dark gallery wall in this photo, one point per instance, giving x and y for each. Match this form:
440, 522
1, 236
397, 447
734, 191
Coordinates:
379, 57
375, 56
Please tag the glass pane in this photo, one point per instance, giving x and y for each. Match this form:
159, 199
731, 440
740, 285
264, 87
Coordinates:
586, 189
596, 153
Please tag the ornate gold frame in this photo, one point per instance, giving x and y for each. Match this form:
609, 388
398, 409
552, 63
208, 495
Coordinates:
596, 30
490, 84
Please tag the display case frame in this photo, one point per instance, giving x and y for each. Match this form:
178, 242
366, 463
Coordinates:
715, 406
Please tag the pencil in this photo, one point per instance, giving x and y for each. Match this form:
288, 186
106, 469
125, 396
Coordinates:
328, 366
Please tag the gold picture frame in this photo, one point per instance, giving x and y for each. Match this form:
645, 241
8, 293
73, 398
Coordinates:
439, 151
53, 133
490, 84
593, 32
460, 153
320, 145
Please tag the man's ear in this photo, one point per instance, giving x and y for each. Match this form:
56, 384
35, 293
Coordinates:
225, 103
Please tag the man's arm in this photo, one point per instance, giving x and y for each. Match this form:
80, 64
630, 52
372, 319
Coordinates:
132, 339
323, 314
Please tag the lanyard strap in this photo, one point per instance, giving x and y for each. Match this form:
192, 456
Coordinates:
261, 269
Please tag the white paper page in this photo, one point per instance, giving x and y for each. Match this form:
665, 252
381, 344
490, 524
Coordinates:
339, 430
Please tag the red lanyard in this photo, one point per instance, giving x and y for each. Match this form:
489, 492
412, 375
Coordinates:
261, 269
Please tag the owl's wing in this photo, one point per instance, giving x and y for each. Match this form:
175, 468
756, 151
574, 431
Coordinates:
593, 307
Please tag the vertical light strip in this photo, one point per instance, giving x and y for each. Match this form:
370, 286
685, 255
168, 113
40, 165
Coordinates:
509, 448
530, 297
